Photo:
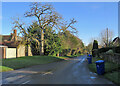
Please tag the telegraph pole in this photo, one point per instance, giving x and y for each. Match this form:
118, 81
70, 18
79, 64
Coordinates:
107, 37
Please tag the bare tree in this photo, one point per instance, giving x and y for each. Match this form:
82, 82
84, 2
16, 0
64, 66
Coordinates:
45, 16
89, 47
106, 37
22, 31
64, 26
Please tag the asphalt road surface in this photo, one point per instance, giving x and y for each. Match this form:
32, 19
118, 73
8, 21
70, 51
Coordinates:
74, 71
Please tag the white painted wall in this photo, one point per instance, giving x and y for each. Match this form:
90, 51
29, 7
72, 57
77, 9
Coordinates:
10, 52
21, 51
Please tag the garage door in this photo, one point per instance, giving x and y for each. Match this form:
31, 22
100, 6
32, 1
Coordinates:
10, 52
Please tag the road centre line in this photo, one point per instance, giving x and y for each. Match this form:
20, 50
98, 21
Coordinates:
26, 82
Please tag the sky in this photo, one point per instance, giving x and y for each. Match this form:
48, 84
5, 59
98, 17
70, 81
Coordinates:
92, 17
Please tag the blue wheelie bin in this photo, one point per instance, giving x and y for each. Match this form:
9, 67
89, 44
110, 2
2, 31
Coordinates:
91, 56
89, 60
100, 67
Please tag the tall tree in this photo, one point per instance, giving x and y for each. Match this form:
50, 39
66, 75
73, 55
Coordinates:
89, 47
52, 42
106, 37
95, 47
70, 43
34, 31
95, 44
27, 36
46, 16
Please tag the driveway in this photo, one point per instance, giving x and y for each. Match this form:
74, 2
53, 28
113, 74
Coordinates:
73, 71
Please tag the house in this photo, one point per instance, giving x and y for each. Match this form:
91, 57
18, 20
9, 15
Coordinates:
11, 46
116, 41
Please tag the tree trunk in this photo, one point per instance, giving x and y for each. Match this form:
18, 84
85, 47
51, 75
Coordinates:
58, 55
70, 51
27, 50
42, 43
74, 52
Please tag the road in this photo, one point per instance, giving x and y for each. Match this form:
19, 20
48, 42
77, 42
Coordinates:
74, 71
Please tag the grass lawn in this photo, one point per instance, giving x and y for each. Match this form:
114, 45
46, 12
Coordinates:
108, 66
67, 57
63, 57
26, 61
114, 77
3, 68
111, 70
22, 62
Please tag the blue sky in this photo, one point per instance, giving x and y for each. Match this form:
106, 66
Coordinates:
92, 17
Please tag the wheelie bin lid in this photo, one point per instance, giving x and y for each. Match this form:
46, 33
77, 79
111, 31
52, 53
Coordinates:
90, 55
100, 61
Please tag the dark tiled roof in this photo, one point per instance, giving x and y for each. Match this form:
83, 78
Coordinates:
116, 41
117, 38
5, 37
11, 44
6, 40
11, 40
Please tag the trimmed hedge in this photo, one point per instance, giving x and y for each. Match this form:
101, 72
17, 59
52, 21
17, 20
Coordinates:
97, 52
115, 49
69, 52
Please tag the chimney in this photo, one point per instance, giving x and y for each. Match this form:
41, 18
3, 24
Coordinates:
11, 35
15, 35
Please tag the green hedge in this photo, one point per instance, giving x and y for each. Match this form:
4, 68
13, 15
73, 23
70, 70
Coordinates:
66, 52
115, 49
97, 52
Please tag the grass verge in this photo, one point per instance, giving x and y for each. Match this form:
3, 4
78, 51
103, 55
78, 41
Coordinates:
26, 61
67, 57
113, 76
3, 68
111, 70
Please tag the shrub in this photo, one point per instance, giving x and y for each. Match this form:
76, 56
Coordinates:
95, 47
115, 49
95, 44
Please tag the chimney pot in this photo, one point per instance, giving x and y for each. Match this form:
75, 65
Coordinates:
15, 34
15, 31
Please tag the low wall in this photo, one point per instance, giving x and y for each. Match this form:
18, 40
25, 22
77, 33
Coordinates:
20, 51
29, 51
115, 58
